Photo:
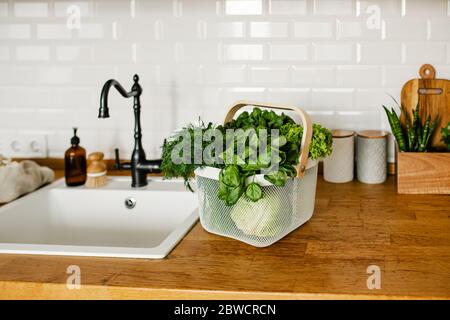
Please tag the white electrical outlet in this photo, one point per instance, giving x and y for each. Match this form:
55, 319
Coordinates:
23, 145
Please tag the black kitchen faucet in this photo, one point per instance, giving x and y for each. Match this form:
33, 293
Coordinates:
139, 165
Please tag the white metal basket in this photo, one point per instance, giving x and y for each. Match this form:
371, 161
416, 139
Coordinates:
279, 212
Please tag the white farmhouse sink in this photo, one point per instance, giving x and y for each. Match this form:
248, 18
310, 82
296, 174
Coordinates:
57, 220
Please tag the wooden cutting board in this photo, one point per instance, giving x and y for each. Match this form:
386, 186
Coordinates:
433, 96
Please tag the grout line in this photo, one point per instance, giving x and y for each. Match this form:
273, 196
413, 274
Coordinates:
114, 30
133, 9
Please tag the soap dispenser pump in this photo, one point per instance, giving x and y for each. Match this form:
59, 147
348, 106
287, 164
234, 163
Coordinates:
75, 162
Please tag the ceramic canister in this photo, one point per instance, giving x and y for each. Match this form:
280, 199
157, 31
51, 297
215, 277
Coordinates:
338, 167
371, 156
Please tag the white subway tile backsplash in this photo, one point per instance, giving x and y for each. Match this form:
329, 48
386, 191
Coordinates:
91, 75
232, 74
53, 31
155, 52
311, 30
421, 52
118, 52
243, 7
386, 8
406, 29
80, 53
272, 75
4, 53
3, 9
251, 52
396, 76
291, 96
225, 30
65, 8
126, 31
374, 98
17, 75
289, 52
22, 97
199, 7
333, 7
74, 97
288, 7
337, 59
186, 74
334, 53
313, 76
231, 95
332, 99
210, 52
15, 31
32, 53
359, 76
380, 53
268, 29
356, 29
31, 9
448, 53
177, 29
360, 120
432, 8
55, 75
149, 76
91, 31
439, 29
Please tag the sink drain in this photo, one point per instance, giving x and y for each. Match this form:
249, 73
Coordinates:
130, 203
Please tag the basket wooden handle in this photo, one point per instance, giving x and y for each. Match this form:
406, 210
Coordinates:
306, 121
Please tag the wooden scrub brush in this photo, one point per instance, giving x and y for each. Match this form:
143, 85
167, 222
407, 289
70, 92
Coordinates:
96, 171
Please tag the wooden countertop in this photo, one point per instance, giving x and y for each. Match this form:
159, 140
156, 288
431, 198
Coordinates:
354, 226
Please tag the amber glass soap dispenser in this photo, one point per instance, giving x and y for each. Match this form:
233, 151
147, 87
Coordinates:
75, 162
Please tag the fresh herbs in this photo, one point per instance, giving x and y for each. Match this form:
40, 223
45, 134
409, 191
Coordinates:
445, 133
183, 169
415, 135
321, 141
244, 154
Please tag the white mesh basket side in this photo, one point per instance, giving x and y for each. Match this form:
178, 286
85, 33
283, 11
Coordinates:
305, 196
261, 223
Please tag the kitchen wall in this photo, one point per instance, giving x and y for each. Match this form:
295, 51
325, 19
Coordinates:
338, 59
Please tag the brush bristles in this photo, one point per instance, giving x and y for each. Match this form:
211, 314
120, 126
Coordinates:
96, 182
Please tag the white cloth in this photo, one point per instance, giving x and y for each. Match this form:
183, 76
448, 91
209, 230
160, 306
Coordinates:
17, 179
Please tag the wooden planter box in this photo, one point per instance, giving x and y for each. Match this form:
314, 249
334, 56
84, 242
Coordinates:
423, 172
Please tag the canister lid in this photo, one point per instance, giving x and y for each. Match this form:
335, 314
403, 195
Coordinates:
342, 133
372, 134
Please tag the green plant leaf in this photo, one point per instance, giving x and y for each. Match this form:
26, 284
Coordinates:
230, 176
277, 178
253, 191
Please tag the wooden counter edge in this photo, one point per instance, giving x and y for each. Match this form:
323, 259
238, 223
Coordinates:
17, 290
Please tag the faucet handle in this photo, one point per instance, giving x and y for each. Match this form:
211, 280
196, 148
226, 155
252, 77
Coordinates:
118, 165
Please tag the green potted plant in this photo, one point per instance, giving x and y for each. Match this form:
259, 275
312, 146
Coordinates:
421, 168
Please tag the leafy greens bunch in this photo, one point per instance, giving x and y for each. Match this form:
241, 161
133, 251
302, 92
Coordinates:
185, 169
237, 167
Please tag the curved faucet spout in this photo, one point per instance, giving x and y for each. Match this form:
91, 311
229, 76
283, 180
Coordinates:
136, 91
138, 165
